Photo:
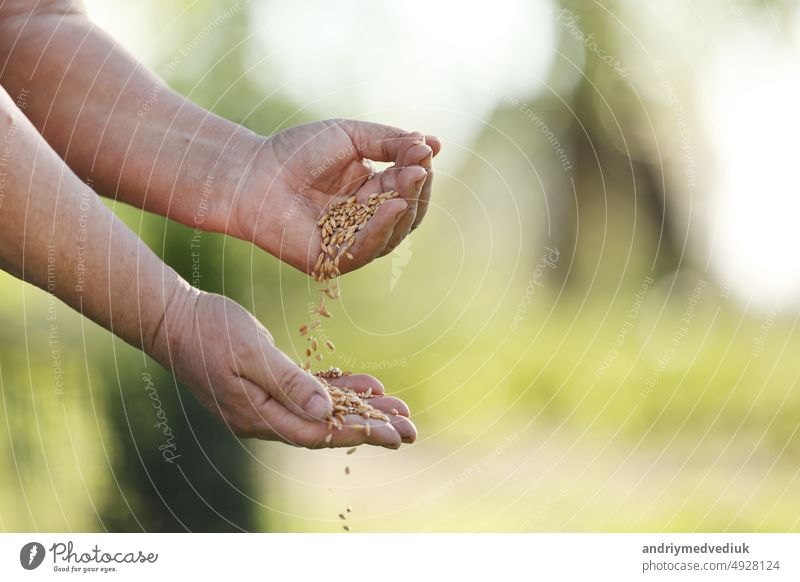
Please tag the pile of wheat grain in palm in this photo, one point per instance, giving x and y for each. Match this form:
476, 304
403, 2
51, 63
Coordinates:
338, 228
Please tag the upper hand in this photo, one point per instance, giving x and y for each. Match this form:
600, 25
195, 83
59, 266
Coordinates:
300, 172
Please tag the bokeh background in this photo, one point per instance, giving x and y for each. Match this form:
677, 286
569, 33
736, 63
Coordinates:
595, 328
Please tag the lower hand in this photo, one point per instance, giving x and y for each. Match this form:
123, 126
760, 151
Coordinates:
230, 362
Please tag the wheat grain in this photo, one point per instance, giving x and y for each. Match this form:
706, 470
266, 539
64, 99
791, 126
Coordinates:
348, 401
339, 226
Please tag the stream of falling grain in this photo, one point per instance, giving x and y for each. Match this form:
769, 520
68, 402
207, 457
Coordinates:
338, 228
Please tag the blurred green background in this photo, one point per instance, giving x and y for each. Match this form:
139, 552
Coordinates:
595, 327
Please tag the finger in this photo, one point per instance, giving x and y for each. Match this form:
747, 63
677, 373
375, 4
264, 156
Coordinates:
425, 195
278, 423
424, 200
389, 435
379, 433
353, 432
385, 181
373, 238
394, 408
300, 432
420, 154
408, 184
404, 427
358, 383
378, 142
390, 405
435, 143
294, 388
414, 142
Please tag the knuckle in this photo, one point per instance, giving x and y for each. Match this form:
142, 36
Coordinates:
291, 381
243, 430
267, 337
340, 123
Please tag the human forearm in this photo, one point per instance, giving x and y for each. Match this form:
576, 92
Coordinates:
55, 233
117, 125
114, 122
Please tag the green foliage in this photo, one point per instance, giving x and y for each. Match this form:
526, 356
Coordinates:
606, 436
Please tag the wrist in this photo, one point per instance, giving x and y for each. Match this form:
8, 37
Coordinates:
174, 322
215, 169
227, 191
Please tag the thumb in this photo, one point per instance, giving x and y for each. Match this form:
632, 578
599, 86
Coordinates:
375, 141
297, 390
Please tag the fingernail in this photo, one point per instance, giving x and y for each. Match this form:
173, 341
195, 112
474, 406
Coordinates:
318, 406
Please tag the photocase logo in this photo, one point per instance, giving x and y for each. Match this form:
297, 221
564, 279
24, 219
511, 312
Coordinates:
31, 555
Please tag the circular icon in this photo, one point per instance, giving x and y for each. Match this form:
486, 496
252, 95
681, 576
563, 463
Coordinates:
31, 555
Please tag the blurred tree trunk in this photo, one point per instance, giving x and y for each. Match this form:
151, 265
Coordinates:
206, 487
622, 207
620, 199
